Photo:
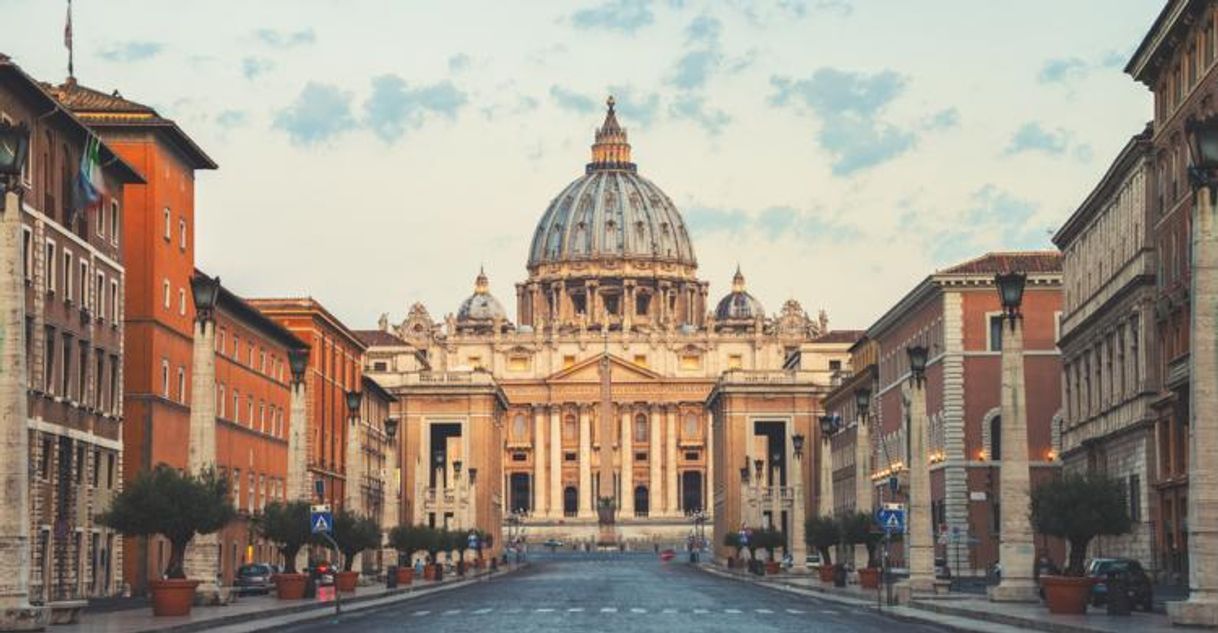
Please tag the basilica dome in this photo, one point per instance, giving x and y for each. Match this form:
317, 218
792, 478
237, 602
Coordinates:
482, 305
611, 212
738, 305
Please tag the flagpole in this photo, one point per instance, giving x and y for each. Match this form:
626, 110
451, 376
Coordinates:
67, 41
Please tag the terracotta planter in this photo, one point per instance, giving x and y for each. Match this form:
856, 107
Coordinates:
1066, 594
172, 596
405, 575
429, 572
345, 581
826, 573
869, 578
771, 567
290, 586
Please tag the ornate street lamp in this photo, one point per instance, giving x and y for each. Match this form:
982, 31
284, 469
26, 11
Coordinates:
391, 427
917, 362
473, 475
1203, 147
826, 427
1010, 291
353, 401
298, 362
862, 400
797, 445
758, 464
744, 474
205, 291
14, 146
456, 468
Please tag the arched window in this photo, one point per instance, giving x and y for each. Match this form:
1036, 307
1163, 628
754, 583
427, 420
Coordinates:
996, 437
520, 427
570, 501
640, 427
570, 429
690, 426
642, 501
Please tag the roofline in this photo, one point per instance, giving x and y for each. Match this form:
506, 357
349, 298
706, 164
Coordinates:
1137, 148
130, 175
233, 303
1139, 64
177, 137
297, 305
375, 387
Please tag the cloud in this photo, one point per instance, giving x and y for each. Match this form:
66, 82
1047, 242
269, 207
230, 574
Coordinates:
693, 107
1032, 137
133, 51
942, 120
396, 107
459, 62
571, 100
1062, 70
252, 67
994, 207
711, 219
840, 7
704, 29
1115, 59
849, 105
285, 39
694, 68
231, 118
626, 16
775, 223
320, 113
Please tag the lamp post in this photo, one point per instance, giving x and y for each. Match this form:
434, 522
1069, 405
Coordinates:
202, 556
16, 612
862, 465
298, 436
1016, 551
921, 546
393, 490
354, 464
799, 547
828, 426
1201, 608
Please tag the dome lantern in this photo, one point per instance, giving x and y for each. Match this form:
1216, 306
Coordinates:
611, 151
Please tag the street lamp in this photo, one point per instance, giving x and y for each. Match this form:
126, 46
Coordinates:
14, 146
298, 362
862, 400
473, 475
797, 445
205, 291
456, 468
1203, 145
1010, 291
758, 464
744, 473
917, 362
353, 401
826, 427
391, 427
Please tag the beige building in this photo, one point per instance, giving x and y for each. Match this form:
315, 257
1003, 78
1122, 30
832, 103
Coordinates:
612, 287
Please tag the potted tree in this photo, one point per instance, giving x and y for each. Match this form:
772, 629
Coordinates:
460, 542
177, 506
287, 525
732, 539
1077, 508
354, 535
858, 529
435, 541
821, 534
407, 539
770, 539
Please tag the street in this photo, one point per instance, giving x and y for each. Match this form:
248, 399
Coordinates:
614, 592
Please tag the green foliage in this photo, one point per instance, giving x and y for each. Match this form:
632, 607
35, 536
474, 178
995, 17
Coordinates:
354, 534
769, 539
858, 529
287, 525
408, 539
1079, 508
732, 539
175, 505
821, 533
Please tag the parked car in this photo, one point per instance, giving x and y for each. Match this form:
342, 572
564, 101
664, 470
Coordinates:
323, 571
1137, 582
812, 560
255, 578
553, 544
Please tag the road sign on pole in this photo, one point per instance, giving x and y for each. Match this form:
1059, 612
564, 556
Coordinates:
321, 520
891, 519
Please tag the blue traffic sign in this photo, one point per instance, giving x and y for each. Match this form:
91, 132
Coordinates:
891, 520
320, 519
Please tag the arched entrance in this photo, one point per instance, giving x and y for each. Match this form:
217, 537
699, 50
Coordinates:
520, 486
642, 501
570, 501
691, 491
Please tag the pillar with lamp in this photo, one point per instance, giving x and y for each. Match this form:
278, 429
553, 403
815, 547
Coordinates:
16, 612
862, 466
298, 487
799, 548
828, 426
1016, 547
393, 491
202, 556
921, 548
1201, 608
354, 464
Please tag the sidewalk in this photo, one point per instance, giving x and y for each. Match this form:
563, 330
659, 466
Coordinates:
959, 612
260, 613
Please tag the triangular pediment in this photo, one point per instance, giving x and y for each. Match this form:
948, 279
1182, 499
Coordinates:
588, 370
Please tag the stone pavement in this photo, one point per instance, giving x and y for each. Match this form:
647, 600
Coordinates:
965, 613
260, 613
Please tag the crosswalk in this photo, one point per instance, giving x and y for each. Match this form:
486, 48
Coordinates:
620, 610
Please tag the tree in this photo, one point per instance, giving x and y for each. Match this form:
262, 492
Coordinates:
821, 533
408, 539
858, 529
175, 505
769, 539
732, 539
354, 534
1079, 508
287, 525
435, 541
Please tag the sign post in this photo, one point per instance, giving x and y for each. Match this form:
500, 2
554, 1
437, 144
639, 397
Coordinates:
321, 522
891, 518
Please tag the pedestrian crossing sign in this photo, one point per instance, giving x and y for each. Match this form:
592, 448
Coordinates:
891, 520
321, 520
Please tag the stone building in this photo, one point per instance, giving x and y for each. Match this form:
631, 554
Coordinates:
599, 388
63, 373
956, 314
1109, 383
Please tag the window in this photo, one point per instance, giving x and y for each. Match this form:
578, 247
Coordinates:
236, 406
995, 342
114, 221
114, 302
84, 284
568, 361
249, 403
220, 341
262, 360
1135, 498
515, 363
735, 361
640, 360
99, 391
261, 417
475, 362
65, 375
27, 253
110, 471
96, 472
49, 273
182, 234
82, 373
182, 385
67, 276
101, 295
236, 347
223, 404
116, 405
168, 229
689, 361
165, 291
996, 437
165, 378
182, 301
640, 427
835, 365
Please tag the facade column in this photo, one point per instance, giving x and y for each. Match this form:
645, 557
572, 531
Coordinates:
1015, 545
351, 496
655, 462
862, 481
585, 463
671, 505
1201, 608
795, 536
539, 508
391, 511
16, 612
298, 444
556, 505
921, 544
627, 460
825, 503
708, 498
202, 555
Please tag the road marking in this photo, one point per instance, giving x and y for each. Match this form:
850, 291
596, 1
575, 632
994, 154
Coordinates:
608, 609
794, 611
732, 611
543, 610
452, 612
701, 611
575, 610
763, 611
421, 613
482, 611
829, 612
637, 610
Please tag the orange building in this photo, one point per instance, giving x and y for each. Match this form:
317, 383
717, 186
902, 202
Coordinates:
158, 252
335, 367
253, 398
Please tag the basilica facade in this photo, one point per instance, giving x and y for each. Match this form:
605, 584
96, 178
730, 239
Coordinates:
620, 384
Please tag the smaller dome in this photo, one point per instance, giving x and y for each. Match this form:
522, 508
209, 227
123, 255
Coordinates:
482, 305
738, 305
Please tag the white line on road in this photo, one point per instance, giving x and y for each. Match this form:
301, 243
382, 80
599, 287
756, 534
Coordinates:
763, 611
829, 612
452, 612
732, 611
575, 610
543, 610
483, 611
608, 609
794, 611
421, 613
638, 610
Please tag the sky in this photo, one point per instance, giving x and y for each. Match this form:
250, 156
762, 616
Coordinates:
376, 153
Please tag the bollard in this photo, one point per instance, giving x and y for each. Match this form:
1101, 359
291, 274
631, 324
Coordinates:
391, 577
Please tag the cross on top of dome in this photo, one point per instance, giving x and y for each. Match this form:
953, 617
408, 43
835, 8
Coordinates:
611, 151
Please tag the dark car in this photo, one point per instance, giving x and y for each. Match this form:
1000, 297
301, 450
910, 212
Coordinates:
255, 578
322, 572
1137, 581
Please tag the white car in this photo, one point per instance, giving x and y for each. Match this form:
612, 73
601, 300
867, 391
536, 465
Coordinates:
812, 561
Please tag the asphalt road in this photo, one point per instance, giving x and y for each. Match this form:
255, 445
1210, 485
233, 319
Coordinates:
623, 593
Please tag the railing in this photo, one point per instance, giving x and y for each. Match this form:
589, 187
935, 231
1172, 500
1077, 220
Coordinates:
449, 378
765, 376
